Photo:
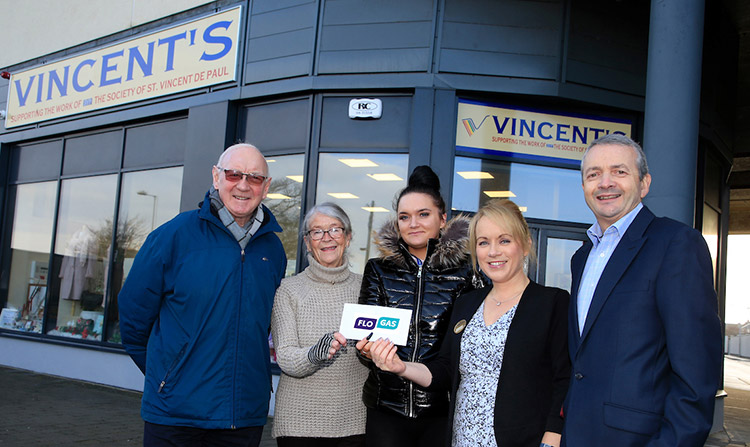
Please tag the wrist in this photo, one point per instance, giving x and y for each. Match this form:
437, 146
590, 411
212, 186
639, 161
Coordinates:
319, 352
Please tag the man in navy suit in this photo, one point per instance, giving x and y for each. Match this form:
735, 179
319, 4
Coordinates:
643, 328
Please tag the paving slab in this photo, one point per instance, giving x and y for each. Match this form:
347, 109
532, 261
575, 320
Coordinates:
43, 410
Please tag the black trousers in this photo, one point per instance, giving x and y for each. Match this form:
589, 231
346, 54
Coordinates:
155, 435
347, 441
388, 429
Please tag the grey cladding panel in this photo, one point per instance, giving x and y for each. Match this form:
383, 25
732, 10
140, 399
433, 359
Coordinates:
280, 45
626, 57
342, 133
509, 38
281, 38
498, 64
512, 13
501, 39
605, 77
591, 24
374, 61
261, 6
34, 162
347, 12
282, 21
155, 144
278, 126
280, 68
376, 36
608, 45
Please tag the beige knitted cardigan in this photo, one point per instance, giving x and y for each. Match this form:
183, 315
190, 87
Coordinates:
316, 400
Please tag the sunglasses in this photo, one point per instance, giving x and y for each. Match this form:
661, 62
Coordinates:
233, 175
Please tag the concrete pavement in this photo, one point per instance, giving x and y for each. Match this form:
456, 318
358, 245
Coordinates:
41, 410
47, 411
736, 405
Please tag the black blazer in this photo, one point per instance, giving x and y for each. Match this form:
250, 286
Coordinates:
536, 367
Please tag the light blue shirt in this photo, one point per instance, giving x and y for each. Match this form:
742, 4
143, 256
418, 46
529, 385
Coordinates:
604, 244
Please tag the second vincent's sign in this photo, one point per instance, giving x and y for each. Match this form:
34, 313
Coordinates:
516, 132
192, 55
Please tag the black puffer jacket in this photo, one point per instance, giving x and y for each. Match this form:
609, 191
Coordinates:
395, 280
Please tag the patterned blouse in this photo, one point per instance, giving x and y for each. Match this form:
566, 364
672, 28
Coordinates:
482, 349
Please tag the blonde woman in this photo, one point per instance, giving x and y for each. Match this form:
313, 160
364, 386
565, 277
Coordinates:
504, 356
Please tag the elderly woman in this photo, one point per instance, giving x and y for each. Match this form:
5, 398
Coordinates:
318, 401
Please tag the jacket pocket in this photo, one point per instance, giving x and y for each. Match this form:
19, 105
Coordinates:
631, 419
171, 368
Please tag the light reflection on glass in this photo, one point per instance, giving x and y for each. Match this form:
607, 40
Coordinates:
82, 245
372, 201
29, 256
546, 192
284, 200
557, 268
147, 200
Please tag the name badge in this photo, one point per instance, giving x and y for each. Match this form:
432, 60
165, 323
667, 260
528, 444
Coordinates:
459, 327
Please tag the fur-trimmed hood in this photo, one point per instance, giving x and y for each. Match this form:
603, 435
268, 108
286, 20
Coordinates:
449, 251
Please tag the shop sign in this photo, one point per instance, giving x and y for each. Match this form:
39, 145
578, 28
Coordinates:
515, 132
196, 54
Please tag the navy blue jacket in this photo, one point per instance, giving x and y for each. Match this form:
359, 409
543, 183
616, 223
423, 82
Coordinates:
194, 316
647, 365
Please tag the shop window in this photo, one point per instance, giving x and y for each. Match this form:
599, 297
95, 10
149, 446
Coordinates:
82, 246
63, 271
365, 186
284, 201
542, 192
147, 200
29, 259
557, 261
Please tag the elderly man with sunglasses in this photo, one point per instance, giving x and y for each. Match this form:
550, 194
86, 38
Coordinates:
195, 312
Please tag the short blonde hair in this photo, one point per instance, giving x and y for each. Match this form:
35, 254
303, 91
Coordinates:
504, 213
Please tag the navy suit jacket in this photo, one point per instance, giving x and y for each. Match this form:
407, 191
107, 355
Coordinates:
646, 368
